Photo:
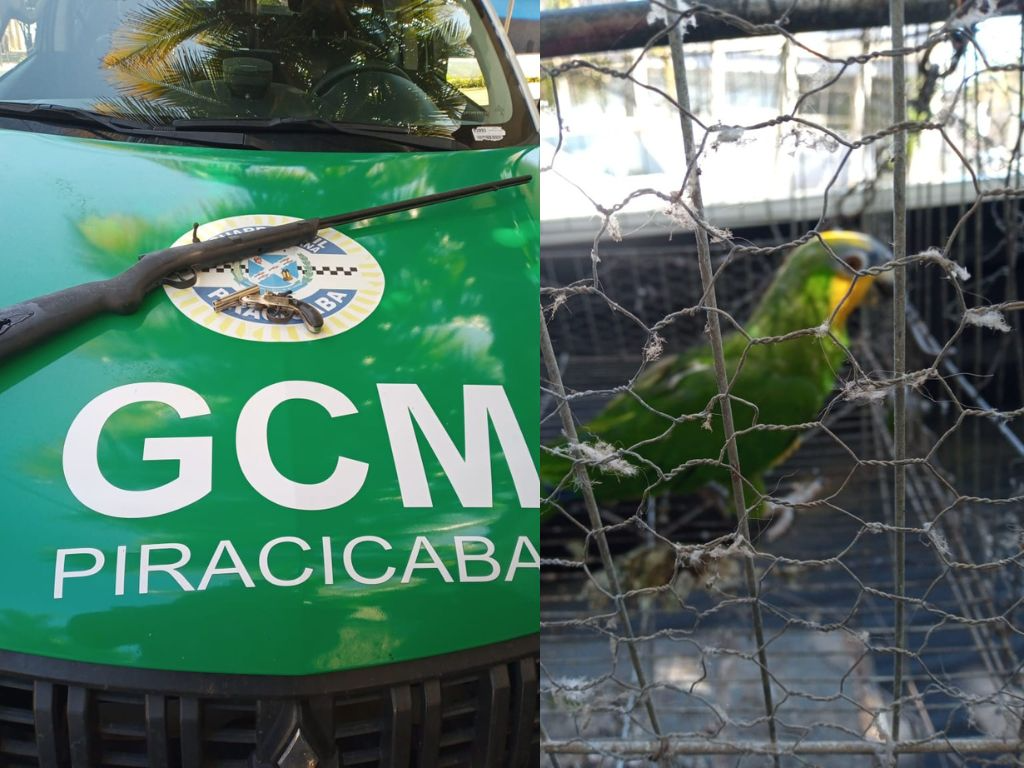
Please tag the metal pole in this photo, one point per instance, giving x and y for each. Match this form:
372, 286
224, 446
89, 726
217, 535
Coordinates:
718, 353
508, 14
619, 26
899, 237
642, 748
596, 525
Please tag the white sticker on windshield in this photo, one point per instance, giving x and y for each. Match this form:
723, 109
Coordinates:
488, 133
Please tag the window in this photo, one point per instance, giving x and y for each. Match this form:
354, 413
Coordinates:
752, 89
430, 63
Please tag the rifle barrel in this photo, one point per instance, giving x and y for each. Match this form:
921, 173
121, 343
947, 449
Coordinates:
420, 202
29, 323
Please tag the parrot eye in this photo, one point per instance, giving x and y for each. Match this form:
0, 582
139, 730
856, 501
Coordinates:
855, 261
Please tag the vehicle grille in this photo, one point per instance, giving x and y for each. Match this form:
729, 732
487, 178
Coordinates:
482, 715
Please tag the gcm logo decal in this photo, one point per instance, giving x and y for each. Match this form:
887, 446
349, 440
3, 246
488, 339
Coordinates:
334, 273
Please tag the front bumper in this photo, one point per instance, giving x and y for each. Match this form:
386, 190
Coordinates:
471, 708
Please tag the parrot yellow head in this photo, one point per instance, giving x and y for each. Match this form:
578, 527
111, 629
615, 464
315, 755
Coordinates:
849, 286
832, 280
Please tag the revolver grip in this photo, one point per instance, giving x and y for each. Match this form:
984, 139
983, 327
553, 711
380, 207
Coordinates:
310, 315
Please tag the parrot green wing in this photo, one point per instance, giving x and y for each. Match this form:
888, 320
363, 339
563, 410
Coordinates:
675, 384
786, 383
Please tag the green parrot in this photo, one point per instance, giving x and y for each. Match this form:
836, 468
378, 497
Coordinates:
788, 382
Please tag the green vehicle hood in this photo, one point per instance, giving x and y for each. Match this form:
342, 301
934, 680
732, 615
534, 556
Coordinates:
452, 315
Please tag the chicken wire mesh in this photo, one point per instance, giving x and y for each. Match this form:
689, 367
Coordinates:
861, 605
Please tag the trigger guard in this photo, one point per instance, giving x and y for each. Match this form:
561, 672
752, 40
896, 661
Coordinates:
278, 314
182, 280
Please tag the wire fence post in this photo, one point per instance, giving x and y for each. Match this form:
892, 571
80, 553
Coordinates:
596, 525
899, 334
692, 181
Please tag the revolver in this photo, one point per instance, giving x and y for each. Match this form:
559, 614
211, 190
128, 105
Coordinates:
279, 307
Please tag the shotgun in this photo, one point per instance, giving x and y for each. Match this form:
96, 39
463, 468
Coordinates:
29, 323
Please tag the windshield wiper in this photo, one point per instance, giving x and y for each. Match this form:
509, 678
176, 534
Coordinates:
221, 132
84, 118
389, 134
34, 321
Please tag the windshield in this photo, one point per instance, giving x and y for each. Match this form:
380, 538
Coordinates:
429, 67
